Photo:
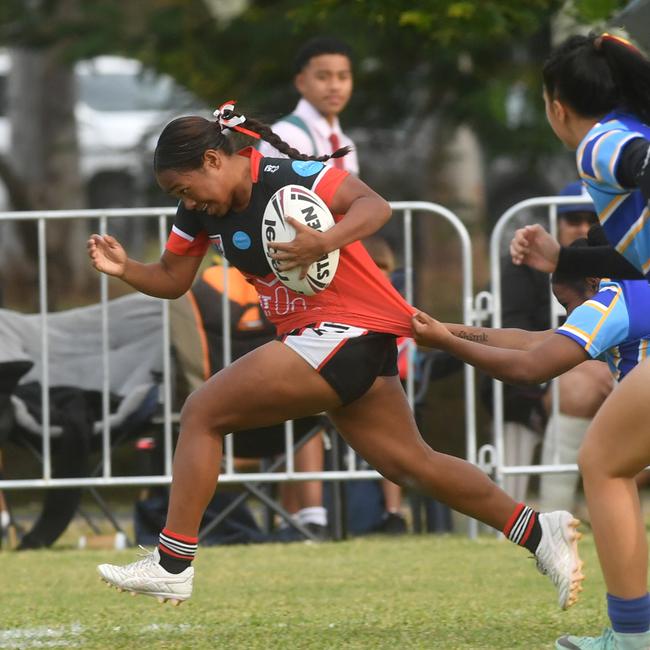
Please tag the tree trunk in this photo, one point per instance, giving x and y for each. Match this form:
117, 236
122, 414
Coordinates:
45, 157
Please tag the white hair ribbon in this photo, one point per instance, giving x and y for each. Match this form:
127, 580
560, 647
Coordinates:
226, 117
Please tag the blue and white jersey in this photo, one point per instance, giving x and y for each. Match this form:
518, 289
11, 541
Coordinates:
614, 325
623, 212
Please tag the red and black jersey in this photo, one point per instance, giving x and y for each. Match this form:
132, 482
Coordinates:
359, 295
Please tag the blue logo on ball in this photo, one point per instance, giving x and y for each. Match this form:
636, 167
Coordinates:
306, 167
241, 240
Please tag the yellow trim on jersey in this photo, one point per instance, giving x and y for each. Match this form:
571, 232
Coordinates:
645, 267
643, 350
610, 208
617, 151
577, 331
603, 318
633, 231
596, 305
596, 149
579, 154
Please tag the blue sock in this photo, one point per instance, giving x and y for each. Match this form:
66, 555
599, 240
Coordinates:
629, 616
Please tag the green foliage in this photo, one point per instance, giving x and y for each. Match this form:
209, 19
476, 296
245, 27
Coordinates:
589, 11
414, 58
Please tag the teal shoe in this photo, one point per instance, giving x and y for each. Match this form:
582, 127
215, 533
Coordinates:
609, 640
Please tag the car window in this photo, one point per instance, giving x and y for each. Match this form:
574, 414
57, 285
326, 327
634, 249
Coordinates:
132, 92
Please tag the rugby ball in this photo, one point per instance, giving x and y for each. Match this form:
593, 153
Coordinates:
305, 206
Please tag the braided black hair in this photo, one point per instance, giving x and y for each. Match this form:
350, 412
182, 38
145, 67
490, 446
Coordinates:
183, 142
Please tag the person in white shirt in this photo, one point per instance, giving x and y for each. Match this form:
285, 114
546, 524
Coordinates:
323, 77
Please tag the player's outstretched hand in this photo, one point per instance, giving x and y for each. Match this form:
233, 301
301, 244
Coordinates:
107, 255
536, 248
306, 248
428, 331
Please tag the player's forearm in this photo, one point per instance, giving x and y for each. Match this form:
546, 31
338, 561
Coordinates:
511, 338
511, 366
365, 217
154, 279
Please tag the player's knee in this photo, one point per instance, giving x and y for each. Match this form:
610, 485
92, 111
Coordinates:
196, 416
592, 463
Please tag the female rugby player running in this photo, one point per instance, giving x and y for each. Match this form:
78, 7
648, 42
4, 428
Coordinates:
336, 351
597, 96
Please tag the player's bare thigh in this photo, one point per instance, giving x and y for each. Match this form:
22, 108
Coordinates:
267, 386
381, 427
618, 439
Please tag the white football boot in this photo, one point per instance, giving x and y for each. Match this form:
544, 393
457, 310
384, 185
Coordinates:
557, 555
147, 577
609, 640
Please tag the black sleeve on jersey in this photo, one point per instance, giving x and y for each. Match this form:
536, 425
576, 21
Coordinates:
188, 220
633, 169
596, 262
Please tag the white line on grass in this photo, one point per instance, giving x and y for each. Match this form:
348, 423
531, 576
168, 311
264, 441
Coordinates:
72, 636
42, 637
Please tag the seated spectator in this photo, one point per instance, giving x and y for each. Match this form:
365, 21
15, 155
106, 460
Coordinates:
526, 304
582, 390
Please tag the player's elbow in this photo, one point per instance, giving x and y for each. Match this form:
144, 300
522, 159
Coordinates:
382, 211
527, 372
387, 211
176, 293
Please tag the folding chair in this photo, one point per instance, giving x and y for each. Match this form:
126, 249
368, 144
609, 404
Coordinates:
127, 420
268, 444
75, 352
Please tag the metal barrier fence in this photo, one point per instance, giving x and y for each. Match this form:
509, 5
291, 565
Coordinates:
491, 456
42, 218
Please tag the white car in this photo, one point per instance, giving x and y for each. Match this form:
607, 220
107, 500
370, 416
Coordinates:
121, 108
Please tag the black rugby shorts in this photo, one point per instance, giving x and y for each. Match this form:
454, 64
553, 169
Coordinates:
349, 358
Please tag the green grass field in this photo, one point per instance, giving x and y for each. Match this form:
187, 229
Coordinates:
408, 592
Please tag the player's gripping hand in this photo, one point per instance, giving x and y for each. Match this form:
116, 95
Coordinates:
428, 331
307, 247
536, 248
107, 255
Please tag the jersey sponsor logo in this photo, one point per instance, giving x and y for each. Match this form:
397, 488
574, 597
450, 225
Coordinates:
217, 242
241, 240
271, 169
281, 301
306, 167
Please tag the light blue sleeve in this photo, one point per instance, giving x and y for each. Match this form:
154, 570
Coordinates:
600, 323
601, 157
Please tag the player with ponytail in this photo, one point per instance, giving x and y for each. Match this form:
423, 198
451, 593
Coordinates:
597, 97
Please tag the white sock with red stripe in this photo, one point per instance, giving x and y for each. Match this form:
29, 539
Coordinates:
176, 551
523, 527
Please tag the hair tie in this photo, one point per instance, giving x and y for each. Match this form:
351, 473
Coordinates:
228, 119
605, 36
